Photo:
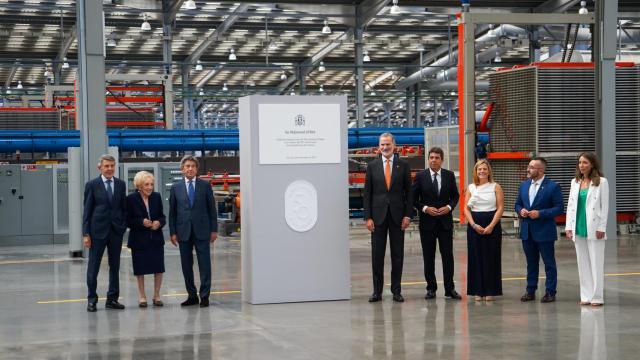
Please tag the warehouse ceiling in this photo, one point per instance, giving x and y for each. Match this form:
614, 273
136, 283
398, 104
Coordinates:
273, 41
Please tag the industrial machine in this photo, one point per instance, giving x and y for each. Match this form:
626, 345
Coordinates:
548, 109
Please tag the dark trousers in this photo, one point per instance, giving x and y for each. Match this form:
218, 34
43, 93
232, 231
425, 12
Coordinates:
378, 250
113, 244
533, 250
444, 238
204, 265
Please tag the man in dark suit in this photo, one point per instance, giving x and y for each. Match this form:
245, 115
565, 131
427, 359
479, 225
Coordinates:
435, 195
193, 223
103, 224
539, 202
387, 210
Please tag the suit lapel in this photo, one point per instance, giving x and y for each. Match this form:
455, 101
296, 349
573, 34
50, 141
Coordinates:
526, 195
395, 171
443, 183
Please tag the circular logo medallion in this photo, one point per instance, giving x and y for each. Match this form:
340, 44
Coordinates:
301, 205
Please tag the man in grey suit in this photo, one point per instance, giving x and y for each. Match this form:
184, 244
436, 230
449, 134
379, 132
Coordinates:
193, 223
103, 224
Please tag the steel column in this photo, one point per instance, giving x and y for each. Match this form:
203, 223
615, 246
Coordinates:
167, 59
91, 85
185, 101
359, 73
604, 57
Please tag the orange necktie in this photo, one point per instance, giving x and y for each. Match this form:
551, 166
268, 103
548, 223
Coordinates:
387, 174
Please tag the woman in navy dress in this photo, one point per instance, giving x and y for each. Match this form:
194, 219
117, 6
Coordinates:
145, 219
483, 211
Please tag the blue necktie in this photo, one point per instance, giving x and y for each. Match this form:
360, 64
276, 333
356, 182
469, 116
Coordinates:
191, 193
109, 190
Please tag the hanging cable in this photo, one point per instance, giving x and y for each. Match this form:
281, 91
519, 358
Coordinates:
573, 42
125, 104
566, 42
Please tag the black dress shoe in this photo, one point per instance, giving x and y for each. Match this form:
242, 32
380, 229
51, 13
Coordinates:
375, 298
190, 301
453, 294
528, 297
547, 298
91, 307
398, 298
204, 302
430, 295
114, 304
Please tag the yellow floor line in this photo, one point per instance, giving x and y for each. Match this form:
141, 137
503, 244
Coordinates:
34, 261
226, 292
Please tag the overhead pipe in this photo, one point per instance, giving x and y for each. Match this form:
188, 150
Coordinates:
447, 63
175, 140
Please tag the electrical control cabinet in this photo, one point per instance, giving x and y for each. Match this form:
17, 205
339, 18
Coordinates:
26, 203
169, 173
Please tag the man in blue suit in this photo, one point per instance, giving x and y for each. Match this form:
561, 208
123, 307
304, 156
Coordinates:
103, 224
193, 223
539, 202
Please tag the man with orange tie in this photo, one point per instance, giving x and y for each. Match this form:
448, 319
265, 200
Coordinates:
387, 211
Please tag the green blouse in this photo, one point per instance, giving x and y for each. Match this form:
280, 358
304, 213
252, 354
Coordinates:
581, 214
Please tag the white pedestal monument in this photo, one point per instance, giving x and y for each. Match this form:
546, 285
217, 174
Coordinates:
294, 189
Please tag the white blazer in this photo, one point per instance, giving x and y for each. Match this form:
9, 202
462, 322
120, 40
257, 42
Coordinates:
597, 208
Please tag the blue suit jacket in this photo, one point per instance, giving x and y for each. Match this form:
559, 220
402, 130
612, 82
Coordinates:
99, 215
548, 202
141, 237
201, 219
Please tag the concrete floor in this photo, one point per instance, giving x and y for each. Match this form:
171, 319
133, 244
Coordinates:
42, 313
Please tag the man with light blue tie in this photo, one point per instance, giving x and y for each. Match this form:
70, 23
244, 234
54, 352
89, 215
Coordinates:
103, 224
539, 202
193, 223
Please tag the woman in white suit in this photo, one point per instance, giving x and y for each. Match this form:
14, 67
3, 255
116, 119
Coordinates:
587, 212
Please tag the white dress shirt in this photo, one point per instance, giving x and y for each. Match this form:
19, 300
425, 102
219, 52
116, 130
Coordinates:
439, 178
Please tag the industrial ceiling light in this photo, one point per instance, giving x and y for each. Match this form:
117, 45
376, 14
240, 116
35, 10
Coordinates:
366, 57
198, 65
145, 24
283, 75
273, 45
373, 92
65, 64
252, 83
232, 54
190, 5
8, 91
201, 93
395, 9
321, 67
46, 72
583, 8
19, 86
497, 59
326, 29
224, 87
112, 43
293, 92
321, 89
